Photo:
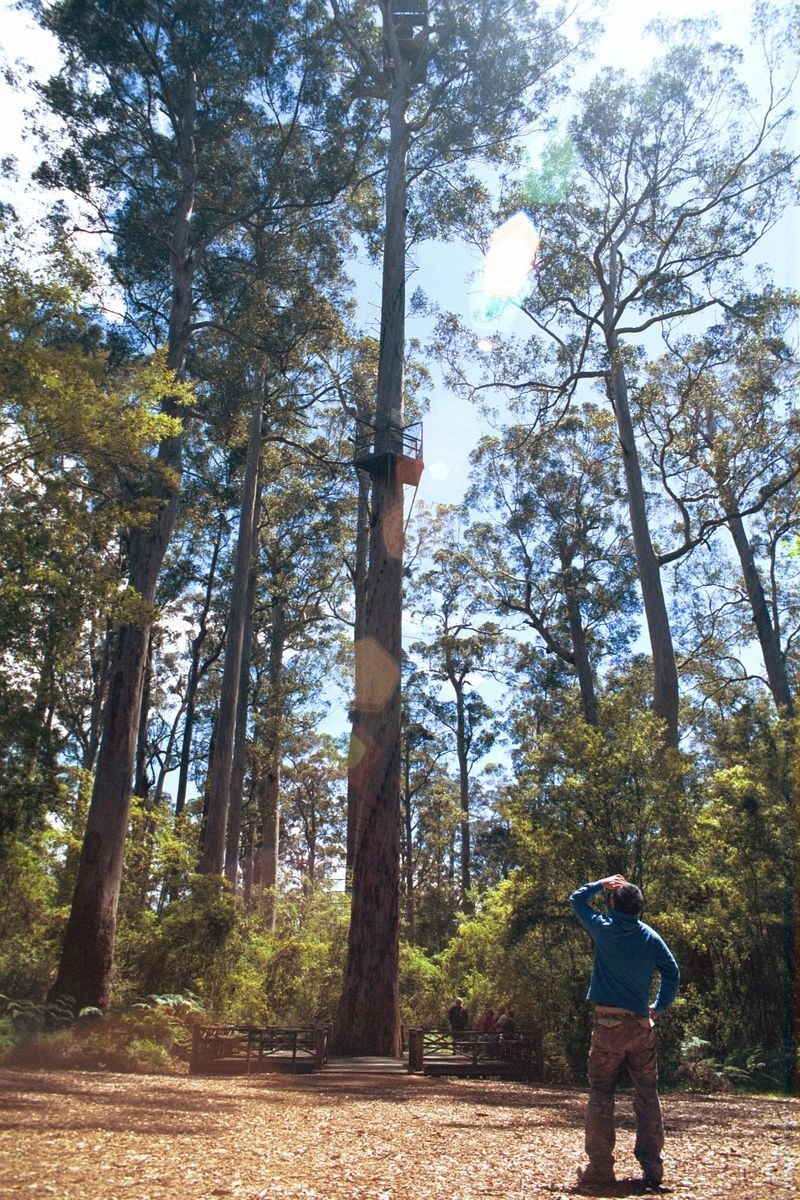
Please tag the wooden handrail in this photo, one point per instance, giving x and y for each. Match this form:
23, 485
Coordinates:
524, 1046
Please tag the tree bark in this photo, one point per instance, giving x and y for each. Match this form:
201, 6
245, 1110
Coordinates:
239, 764
87, 951
768, 634
369, 1010
360, 592
665, 671
213, 856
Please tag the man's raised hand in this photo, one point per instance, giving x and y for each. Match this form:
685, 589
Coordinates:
612, 882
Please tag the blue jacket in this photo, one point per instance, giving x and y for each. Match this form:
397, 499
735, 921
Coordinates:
626, 953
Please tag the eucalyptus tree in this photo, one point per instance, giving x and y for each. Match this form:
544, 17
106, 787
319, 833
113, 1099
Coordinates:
300, 583
315, 805
429, 820
455, 82
75, 419
719, 417
459, 648
678, 173
289, 318
182, 124
549, 542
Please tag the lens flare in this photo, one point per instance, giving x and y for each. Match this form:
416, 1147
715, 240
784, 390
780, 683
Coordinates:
510, 258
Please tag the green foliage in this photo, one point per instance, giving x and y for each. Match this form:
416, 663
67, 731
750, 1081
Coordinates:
206, 944
31, 918
152, 1036
190, 948
701, 1071
423, 989
550, 182
292, 975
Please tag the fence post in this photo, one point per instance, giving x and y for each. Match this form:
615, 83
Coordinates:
320, 1048
416, 1044
194, 1060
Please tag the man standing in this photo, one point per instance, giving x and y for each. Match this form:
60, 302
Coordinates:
626, 953
458, 1017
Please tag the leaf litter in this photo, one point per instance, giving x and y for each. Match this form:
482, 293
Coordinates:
364, 1137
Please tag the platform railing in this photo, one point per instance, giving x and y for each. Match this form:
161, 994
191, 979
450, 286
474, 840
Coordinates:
248, 1046
469, 1049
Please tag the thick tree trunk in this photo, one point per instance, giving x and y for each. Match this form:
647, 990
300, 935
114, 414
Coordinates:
219, 788
369, 1010
360, 592
369, 1020
87, 952
665, 672
88, 948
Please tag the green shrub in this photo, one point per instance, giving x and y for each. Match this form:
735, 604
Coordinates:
423, 989
152, 1036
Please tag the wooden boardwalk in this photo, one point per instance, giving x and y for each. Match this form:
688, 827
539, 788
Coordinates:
253, 1050
365, 1065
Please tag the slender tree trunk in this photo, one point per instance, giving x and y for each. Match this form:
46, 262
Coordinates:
193, 679
665, 672
270, 801
239, 764
87, 951
141, 782
768, 634
583, 667
213, 856
462, 750
369, 1009
408, 835
100, 670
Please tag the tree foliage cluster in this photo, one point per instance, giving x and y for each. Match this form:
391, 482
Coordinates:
603, 662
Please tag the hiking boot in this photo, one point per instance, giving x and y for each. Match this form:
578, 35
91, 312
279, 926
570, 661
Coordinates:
594, 1176
653, 1173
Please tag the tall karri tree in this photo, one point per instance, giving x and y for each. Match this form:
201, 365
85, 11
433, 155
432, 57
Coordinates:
456, 83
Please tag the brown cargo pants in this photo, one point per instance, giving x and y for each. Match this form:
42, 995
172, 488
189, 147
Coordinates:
618, 1037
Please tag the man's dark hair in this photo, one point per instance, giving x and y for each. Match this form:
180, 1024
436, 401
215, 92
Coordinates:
627, 898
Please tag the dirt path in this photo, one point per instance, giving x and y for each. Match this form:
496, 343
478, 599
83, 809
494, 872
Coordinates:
80, 1136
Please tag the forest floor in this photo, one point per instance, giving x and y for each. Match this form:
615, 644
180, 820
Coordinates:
102, 1136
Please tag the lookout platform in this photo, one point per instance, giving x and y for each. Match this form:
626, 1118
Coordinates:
251, 1049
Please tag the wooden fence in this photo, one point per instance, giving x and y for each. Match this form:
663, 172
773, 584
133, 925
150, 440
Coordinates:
245, 1049
469, 1053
